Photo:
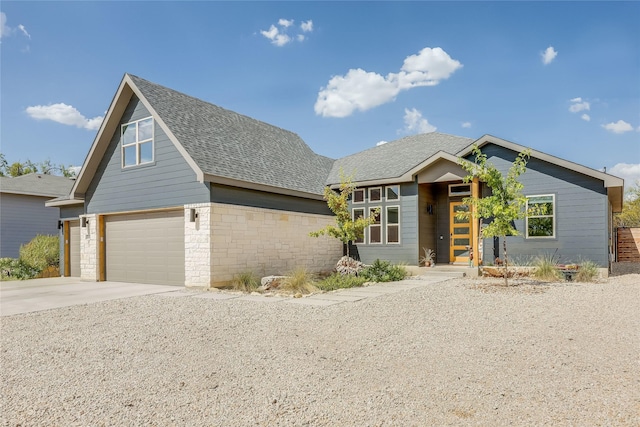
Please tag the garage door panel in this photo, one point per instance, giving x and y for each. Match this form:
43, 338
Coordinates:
146, 248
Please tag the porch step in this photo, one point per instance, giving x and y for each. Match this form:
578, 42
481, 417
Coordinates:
443, 270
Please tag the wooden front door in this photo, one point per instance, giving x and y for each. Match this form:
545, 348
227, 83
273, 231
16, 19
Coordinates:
460, 234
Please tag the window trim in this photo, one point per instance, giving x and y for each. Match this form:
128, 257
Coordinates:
137, 143
364, 232
378, 225
394, 224
353, 198
375, 188
553, 216
397, 191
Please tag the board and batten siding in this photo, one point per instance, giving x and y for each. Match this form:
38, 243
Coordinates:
405, 252
168, 181
22, 218
581, 205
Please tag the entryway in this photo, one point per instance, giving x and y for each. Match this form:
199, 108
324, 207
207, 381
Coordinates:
459, 234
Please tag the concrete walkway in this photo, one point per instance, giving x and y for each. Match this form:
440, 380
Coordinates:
26, 296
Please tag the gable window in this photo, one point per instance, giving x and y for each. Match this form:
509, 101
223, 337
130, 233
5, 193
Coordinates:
393, 224
457, 190
358, 195
393, 192
375, 229
375, 194
137, 142
541, 216
358, 213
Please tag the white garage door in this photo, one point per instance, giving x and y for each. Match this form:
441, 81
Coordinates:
145, 248
74, 248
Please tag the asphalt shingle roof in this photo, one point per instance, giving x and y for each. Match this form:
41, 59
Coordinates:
395, 158
230, 145
36, 184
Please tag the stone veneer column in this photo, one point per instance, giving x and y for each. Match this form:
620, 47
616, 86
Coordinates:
89, 248
197, 246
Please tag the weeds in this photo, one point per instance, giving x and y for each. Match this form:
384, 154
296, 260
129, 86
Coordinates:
546, 268
587, 272
245, 282
299, 281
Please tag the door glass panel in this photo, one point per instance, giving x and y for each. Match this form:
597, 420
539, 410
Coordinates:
460, 252
461, 230
460, 242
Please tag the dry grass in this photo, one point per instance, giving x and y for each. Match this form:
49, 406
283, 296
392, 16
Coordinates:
299, 281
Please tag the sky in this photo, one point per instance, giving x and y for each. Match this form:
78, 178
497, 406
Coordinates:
558, 77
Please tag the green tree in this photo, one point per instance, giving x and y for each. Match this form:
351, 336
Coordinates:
23, 168
346, 229
630, 215
505, 204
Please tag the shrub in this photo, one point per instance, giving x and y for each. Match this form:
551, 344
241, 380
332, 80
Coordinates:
245, 282
340, 281
587, 272
16, 269
41, 252
383, 271
546, 268
299, 281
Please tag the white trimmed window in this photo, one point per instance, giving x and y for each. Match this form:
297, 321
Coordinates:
393, 224
375, 229
392, 192
358, 213
375, 194
137, 142
541, 216
358, 195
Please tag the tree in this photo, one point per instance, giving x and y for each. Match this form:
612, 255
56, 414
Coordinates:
505, 204
346, 228
630, 215
23, 168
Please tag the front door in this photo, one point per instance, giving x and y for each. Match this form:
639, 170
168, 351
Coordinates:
459, 234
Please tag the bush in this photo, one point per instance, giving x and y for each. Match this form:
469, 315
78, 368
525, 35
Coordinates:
340, 281
245, 282
587, 272
41, 252
547, 268
16, 269
299, 281
383, 271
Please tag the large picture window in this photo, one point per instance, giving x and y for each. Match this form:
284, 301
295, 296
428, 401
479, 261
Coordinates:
137, 142
375, 229
393, 224
541, 216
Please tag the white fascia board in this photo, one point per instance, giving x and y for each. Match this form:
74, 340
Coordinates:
67, 202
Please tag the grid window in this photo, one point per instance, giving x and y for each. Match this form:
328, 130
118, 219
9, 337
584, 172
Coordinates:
358, 213
375, 229
137, 142
541, 216
393, 224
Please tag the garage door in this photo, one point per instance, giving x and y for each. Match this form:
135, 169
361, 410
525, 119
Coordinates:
145, 248
74, 248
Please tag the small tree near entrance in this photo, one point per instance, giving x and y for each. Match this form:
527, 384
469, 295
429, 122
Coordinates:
346, 229
506, 203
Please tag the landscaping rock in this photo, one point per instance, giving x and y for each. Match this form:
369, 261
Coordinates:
271, 282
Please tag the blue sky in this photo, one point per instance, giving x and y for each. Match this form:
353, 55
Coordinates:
559, 77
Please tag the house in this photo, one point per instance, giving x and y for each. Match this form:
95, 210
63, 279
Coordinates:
175, 190
23, 214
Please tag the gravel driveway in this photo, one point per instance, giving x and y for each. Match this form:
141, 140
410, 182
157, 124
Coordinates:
462, 352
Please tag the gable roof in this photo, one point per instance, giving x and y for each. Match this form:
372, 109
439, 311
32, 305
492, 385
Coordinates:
36, 184
393, 160
220, 145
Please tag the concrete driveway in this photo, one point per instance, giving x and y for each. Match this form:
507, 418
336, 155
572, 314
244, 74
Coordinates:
26, 296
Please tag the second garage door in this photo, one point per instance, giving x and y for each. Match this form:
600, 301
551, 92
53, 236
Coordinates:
145, 248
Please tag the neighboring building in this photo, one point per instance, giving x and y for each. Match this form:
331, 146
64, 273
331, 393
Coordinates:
23, 214
179, 191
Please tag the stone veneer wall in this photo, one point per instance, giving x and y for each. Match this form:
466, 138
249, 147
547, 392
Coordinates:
89, 248
267, 242
197, 246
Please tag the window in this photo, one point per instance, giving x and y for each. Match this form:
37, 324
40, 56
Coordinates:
393, 192
137, 142
375, 229
375, 194
358, 196
393, 224
541, 216
456, 190
358, 213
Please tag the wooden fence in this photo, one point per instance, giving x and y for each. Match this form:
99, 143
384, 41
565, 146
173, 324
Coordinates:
628, 244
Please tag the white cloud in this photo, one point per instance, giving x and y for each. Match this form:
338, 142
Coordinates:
362, 90
466, 124
415, 123
577, 105
279, 34
618, 127
548, 55
381, 143
628, 171
24, 31
65, 114
307, 26
6, 30
585, 117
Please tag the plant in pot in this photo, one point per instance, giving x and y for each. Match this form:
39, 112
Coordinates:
429, 258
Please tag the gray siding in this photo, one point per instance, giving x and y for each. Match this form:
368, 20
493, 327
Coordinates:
21, 219
581, 212
261, 199
168, 181
407, 251
74, 211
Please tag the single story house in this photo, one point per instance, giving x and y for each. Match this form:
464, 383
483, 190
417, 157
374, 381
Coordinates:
176, 190
23, 214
